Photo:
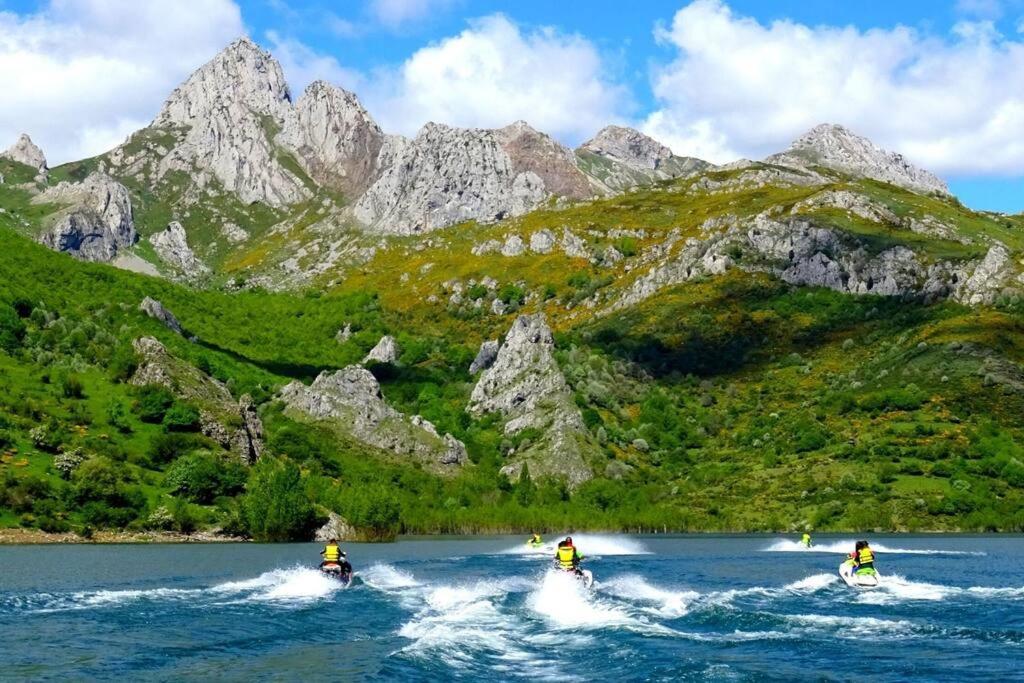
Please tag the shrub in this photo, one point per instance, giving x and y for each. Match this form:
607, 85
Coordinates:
276, 507
181, 417
202, 477
374, 512
12, 329
166, 446
152, 402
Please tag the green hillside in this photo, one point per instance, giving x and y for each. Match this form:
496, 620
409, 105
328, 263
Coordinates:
735, 402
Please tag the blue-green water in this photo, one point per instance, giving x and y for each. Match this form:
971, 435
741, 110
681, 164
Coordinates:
664, 608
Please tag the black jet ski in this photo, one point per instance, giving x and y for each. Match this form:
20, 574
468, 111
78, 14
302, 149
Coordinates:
337, 572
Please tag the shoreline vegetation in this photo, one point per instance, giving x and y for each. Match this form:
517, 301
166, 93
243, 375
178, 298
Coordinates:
20, 536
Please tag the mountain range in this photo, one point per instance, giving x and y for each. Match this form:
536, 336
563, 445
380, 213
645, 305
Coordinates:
626, 327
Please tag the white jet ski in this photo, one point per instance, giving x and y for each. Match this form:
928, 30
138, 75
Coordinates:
855, 580
587, 577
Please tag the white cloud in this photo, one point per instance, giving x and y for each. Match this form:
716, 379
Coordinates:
79, 75
395, 13
742, 88
494, 73
987, 9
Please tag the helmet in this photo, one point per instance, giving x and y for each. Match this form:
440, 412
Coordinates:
333, 541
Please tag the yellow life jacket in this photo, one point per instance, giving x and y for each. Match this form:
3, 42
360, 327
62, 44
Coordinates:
566, 556
865, 556
332, 553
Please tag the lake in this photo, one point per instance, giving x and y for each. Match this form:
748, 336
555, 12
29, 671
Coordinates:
665, 608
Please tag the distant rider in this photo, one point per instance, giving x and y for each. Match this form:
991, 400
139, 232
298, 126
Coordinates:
864, 557
567, 556
806, 540
535, 540
332, 553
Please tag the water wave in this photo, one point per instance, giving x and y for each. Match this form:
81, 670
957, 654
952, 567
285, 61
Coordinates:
785, 545
591, 545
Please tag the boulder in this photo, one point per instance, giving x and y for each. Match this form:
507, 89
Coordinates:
337, 528
542, 241
386, 351
156, 310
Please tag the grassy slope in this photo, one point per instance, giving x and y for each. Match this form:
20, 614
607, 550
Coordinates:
733, 403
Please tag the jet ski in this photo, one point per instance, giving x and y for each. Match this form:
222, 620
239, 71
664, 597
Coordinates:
866, 579
584, 576
335, 571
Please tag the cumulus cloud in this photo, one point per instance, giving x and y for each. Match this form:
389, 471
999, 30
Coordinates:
494, 73
737, 87
79, 75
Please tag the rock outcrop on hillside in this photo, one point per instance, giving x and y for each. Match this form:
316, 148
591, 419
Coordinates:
225, 116
350, 401
526, 386
171, 245
234, 425
837, 148
24, 151
156, 310
95, 221
334, 137
448, 175
801, 252
618, 158
385, 351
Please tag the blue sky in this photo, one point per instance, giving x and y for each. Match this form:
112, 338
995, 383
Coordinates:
938, 81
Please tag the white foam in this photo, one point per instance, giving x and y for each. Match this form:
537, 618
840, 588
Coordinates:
385, 577
812, 583
851, 627
294, 584
664, 602
563, 602
590, 545
785, 545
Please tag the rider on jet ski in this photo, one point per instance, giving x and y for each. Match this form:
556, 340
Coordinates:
535, 541
333, 554
568, 557
864, 558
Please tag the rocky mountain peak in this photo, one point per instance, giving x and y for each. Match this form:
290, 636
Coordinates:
225, 116
628, 146
242, 74
838, 148
24, 151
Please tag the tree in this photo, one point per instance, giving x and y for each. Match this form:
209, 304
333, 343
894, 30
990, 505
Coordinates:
374, 512
275, 506
525, 488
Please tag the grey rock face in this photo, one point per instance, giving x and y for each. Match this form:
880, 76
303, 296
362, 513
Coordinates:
525, 385
236, 426
228, 111
484, 357
344, 334
350, 400
155, 309
335, 527
336, 140
851, 202
445, 176
96, 221
386, 351
837, 148
619, 158
990, 277
171, 245
24, 151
